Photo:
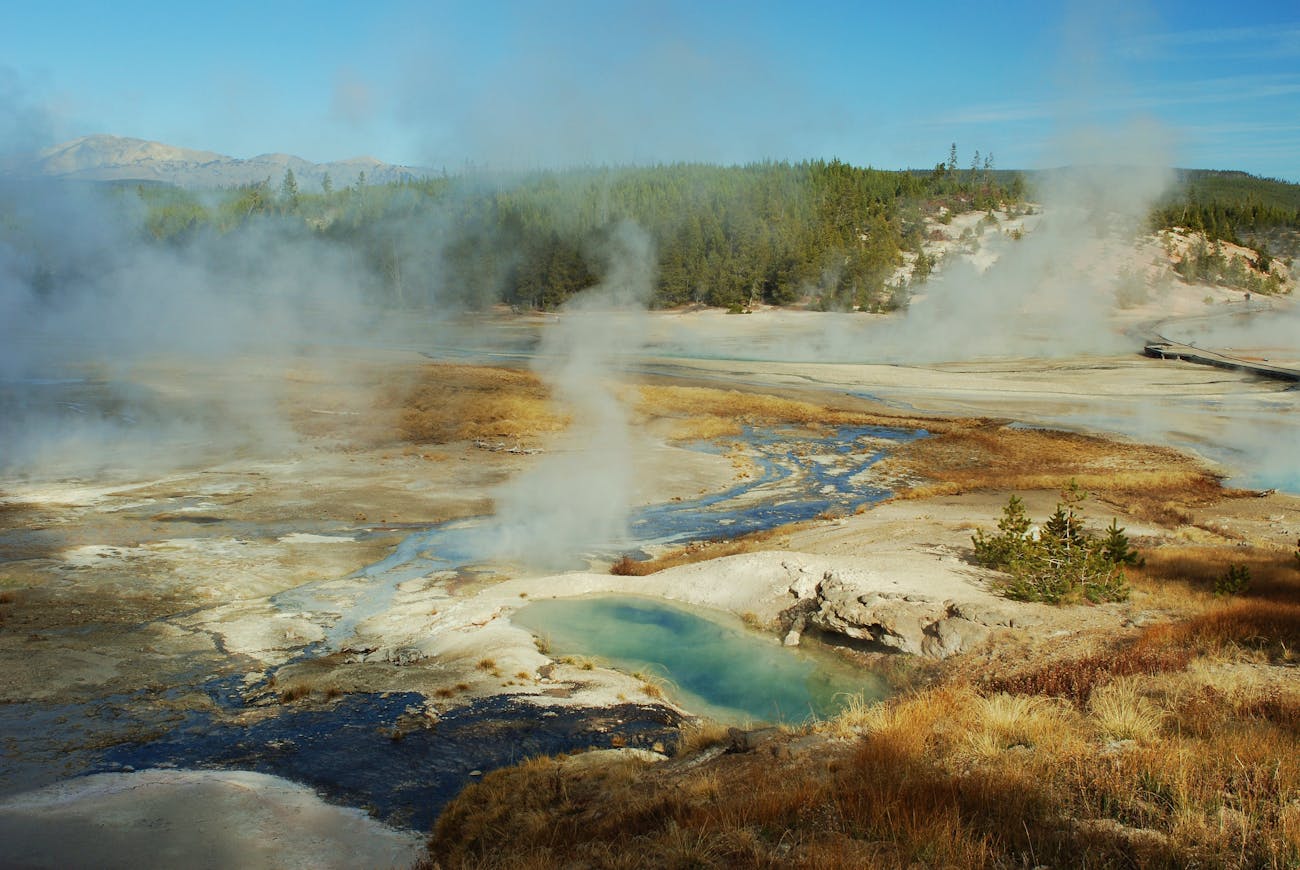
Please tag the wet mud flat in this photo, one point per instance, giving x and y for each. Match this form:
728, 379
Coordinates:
382, 753
389, 753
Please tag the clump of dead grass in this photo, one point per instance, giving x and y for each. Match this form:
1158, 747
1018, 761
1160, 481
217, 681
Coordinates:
698, 734
708, 407
295, 692
1005, 722
453, 402
1121, 712
1075, 678
1153, 483
629, 567
700, 551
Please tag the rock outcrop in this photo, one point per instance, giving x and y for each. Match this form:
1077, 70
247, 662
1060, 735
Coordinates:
892, 621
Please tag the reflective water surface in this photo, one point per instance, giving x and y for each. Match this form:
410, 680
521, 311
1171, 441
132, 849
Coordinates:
706, 661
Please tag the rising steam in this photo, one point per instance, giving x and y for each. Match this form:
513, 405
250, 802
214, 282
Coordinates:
1053, 292
578, 496
114, 350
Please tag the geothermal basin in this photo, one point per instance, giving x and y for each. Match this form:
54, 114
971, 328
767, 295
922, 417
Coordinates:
331, 611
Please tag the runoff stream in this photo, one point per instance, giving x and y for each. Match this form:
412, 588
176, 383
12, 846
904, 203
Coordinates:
798, 476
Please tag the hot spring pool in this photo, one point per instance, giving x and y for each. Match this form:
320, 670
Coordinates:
706, 661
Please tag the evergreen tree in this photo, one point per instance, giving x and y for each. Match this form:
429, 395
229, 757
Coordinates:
1115, 546
289, 190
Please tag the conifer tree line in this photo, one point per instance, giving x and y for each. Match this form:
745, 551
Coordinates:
819, 232
727, 236
1229, 206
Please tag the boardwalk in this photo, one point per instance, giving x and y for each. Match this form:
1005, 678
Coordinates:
1165, 349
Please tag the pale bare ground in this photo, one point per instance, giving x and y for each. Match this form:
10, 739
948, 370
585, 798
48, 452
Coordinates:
194, 818
1241, 424
136, 564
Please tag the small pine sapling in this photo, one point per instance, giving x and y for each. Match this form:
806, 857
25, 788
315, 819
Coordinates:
1235, 582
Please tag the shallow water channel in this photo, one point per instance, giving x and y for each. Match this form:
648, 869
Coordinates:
705, 661
796, 475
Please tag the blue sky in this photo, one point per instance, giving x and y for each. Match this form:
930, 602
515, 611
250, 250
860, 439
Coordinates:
526, 84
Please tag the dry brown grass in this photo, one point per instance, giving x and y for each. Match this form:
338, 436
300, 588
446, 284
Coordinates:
453, 402
1004, 722
1121, 712
699, 734
1263, 621
705, 428
1074, 678
1269, 628
699, 405
1194, 569
6, 599
1150, 482
699, 551
743, 814
294, 693
945, 777
629, 567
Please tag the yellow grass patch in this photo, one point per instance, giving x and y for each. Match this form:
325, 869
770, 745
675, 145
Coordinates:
737, 406
698, 551
1149, 481
1122, 713
454, 402
704, 428
698, 734
1004, 722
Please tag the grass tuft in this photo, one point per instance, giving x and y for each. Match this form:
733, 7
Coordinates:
454, 402
698, 734
294, 693
629, 567
1122, 713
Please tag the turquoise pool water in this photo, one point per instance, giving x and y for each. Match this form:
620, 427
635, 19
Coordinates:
707, 662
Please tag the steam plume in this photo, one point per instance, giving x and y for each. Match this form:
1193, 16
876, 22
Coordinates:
579, 495
154, 329
1053, 292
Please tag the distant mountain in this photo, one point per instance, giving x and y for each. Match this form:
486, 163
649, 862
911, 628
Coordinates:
117, 158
